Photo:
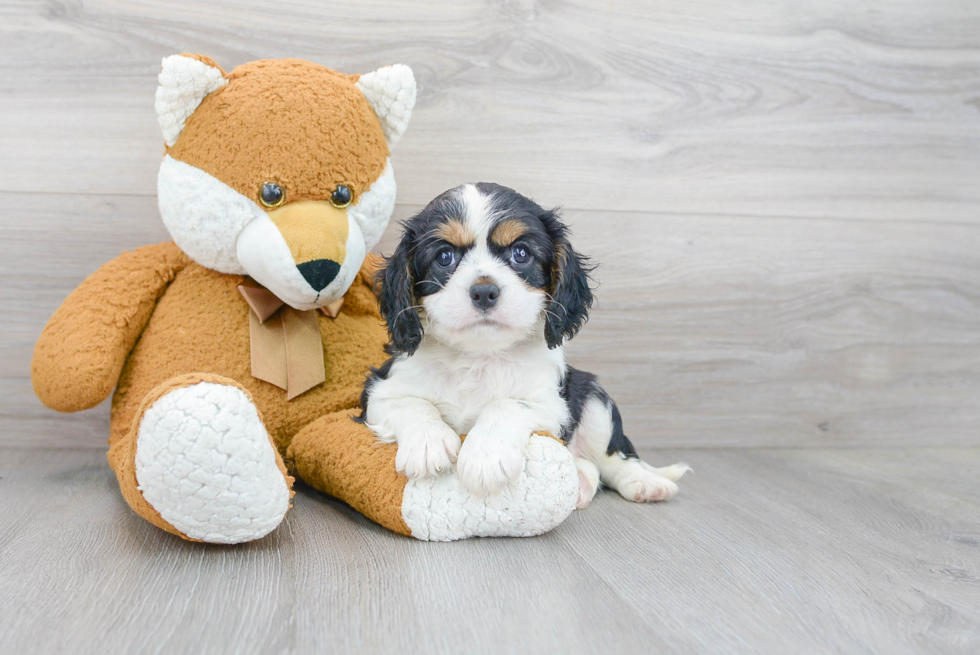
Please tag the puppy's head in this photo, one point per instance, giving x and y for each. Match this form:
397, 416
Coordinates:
485, 267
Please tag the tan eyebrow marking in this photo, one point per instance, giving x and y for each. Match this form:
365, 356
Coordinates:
455, 232
507, 232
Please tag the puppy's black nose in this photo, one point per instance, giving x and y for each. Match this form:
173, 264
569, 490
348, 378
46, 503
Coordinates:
484, 296
319, 272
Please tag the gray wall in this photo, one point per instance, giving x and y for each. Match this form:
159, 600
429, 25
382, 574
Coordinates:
783, 197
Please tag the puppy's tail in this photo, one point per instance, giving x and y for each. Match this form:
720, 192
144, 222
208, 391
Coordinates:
674, 472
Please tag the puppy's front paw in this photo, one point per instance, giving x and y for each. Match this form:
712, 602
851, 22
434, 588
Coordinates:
488, 465
426, 450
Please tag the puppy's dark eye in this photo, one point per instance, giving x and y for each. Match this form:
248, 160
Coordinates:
341, 196
271, 194
520, 255
446, 257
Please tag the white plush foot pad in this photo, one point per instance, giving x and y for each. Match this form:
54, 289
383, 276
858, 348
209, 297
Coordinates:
205, 462
440, 509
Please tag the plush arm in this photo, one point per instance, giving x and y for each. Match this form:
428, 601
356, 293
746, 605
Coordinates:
81, 352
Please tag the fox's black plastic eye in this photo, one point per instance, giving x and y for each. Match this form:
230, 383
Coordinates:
271, 194
446, 257
520, 255
341, 196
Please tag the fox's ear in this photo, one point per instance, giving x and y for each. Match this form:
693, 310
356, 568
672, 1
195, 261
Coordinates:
184, 82
391, 92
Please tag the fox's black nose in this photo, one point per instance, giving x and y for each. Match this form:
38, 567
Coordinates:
484, 296
319, 272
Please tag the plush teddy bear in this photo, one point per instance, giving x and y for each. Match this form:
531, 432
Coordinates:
238, 351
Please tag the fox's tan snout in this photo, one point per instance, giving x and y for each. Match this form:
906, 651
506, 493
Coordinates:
316, 233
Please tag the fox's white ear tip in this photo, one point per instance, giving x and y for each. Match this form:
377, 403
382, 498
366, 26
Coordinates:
391, 92
184, 83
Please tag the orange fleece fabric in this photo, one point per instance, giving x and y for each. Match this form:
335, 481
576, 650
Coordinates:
180, 314
342, 458
201, 317
153, 320
122, 455
82, 349
289, 121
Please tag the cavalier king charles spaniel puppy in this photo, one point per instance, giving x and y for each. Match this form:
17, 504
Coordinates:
479, 296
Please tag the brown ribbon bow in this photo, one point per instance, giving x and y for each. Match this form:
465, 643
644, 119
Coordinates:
287, 349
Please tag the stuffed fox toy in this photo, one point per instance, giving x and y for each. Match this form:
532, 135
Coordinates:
238, 351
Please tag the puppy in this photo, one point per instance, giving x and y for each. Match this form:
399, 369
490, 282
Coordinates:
479, 296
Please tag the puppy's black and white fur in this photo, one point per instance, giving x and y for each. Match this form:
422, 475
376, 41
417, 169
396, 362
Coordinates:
479, 296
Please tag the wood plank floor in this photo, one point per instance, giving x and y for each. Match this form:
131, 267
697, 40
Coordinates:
764, 551
783, 199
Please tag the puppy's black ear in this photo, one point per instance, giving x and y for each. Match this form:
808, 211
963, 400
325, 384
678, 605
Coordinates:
571, 294
396, 299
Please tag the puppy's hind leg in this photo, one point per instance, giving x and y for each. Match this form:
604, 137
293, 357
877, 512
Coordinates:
599, 438
588, 482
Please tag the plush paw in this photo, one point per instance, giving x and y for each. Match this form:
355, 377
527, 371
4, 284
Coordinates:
426, 450
544, 494
204, 461
487, 465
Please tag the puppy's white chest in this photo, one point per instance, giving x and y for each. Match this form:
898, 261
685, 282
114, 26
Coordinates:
477, 385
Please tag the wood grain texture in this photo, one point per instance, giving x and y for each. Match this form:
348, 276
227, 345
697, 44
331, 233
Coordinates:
731, 331
825, 109
783, 197
765, 551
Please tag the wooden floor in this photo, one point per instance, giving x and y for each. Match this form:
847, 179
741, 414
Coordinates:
764, 551
784, 201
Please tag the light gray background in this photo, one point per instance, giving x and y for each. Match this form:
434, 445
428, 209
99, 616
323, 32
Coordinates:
783, 197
